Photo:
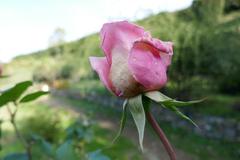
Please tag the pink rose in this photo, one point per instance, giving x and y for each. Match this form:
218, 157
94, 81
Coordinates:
134, 62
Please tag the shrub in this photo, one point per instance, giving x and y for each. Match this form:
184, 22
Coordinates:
44, 73
65, 72
44, 125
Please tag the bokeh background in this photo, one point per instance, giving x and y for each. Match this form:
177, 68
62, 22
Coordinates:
49, 42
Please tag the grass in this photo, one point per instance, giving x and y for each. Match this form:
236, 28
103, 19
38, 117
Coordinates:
122, 150
220, 105
90, 86
204, 148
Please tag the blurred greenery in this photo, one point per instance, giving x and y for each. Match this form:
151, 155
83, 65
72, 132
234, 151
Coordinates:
56, 124
202, 148
206, 63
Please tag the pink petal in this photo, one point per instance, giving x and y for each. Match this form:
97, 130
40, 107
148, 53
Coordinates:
165, 48
147, 65
101, 66
119, 36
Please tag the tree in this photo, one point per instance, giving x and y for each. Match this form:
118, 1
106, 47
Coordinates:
56, 42
208, 11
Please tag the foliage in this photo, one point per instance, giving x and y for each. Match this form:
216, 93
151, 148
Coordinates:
97, 155
232, 5
203, 8
226, 60
13, 94
65, 72
44, 73
42, 124
33, 96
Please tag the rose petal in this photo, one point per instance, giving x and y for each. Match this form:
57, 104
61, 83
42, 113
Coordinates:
165, 48
119, 35
101, 66
147, 66
121, 77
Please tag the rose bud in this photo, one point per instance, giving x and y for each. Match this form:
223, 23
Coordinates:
134, 62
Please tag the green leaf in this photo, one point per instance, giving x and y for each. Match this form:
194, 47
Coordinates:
33, 96
16, 156
80, 131
138, 113
66, 151
178, 112
97, 155
14, 93
45, 146
122, 122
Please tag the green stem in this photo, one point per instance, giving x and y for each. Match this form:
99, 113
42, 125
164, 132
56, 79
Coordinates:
26, 145
161, 135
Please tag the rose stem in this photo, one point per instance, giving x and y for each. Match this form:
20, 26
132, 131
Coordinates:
161, 135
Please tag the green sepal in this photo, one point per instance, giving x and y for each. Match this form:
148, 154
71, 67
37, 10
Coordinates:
122, 122
163, 99
157, 96
137, 110
179, 113
171, 104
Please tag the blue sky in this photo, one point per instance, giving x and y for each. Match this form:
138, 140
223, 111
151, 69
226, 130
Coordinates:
26, 25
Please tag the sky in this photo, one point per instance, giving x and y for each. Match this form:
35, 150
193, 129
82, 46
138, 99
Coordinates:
26, 25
